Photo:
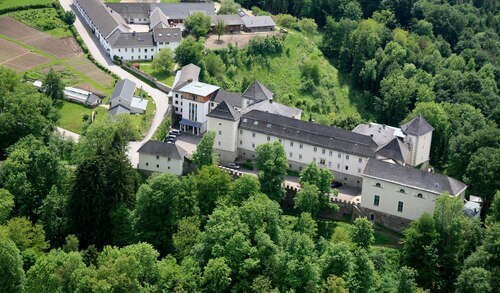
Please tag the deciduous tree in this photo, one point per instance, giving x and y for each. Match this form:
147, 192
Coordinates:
164, 60
11, 267
272, 163
205, 154
198, 24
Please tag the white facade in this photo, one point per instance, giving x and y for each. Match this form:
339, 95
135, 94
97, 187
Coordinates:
226, 135
160, 164
347, 168
420, 148
396, 199
135, 53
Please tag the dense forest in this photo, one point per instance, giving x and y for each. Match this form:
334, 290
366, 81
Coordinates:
79, 218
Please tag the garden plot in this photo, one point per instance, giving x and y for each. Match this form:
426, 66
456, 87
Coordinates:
18, 58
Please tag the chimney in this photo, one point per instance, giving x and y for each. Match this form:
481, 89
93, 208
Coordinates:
370, 125
133, 33
371, 135
383, 126
270, 101
190, 80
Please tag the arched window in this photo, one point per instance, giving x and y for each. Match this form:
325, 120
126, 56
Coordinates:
378, 185
402, 190
420, 195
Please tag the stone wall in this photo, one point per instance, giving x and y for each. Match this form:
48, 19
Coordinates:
161, 86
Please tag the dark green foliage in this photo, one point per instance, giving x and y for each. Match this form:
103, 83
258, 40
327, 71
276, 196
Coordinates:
205, 154
53, 86
362, 233
272, 163
11, 268
198, 24
189, 51
265, 45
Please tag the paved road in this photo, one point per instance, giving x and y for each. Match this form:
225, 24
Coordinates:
159, 97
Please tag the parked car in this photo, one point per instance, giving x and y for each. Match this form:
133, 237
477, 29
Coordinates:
175, 132
336, 184
233, 166
170, 138
170, 141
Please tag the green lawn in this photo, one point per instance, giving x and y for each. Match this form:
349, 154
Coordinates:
143, 122
161, 76
283, 75
72, 115
44, 19
15, 3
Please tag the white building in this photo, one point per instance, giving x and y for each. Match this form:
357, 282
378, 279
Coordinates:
123, 100
161, 157
117, 37
394, 190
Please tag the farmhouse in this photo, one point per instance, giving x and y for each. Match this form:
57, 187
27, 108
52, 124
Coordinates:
233, 22
258, 23
123, 100
155, 156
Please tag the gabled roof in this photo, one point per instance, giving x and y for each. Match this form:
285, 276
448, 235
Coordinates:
105, 19
309, 133
162, 149
380, 133
233, 99
157, 17
124, 89
170, 35
229, 19
225, 112
417, 126
258, 21
134, 39
187, 74
394, 149
118, 110
258, 92
131, 10
184, 9
414, 178
270, 106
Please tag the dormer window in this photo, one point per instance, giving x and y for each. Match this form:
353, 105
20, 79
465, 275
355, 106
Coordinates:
420, 195
402, 190
378, 185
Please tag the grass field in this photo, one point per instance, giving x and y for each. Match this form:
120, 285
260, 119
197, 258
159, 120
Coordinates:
15, 3
283, 75
72, 115
161, 76
44, 19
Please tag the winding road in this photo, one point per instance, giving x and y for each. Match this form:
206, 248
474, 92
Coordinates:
160, 98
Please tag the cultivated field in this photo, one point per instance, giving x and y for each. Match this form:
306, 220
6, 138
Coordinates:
60, 48
15, 3
19, 58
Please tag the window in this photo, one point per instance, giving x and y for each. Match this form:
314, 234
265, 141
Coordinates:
157, 157
291, 155
253, 134
330, 153
176, 102
359, 170
132, 51
132, 57
347, 167
420, 195
253, 145
400, 206
176, 109
157, 166
269, 125
219, 143
301, 146
338, 166
378, 185
315, 149
169, 159
126, 49
118, 50
281, 140
291, 143
139, 50
268, 138
314, 160
300, 157
340, 155
241, 142
360, 160
220, 132
323, 151
145, 50
168, 167
241, 131
376, 200
322, 161
347, 157
329, 164
147, 164
220, 124
372, 217
402, 190
176, 95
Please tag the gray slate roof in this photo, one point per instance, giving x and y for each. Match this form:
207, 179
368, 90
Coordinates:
258, 21
131, 10
127, 40
225, 112
308, 133
258, 92
233, 99
118, 110
270, 106
163, 149
229, 19
167, 35
103, 18
380, 133
124, 89
394, 149
415, 178
188, 72
417, 126
157, 17
184, 9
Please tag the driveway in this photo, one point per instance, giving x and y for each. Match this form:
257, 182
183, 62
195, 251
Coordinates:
160, 98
